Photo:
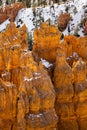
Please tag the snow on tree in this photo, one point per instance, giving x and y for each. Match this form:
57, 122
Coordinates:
3, 4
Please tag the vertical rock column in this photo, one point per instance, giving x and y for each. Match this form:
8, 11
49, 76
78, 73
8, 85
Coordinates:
80, 93
64, 93
36, 83
46, 41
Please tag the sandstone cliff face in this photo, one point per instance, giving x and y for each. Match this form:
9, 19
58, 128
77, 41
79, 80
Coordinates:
27, 95
75, 48
46, 41
70, 84
64, 94
69, 79
10, 12
80, 83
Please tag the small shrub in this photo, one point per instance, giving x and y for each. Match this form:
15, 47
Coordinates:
30, 41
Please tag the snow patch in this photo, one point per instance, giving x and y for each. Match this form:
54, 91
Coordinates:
52, 12
33, 18
46, 63
32, 78
4, 25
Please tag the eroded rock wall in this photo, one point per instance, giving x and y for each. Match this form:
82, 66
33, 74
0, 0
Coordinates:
27, 94
69, 79
70, 84
29, 98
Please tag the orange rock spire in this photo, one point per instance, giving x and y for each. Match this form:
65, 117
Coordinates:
46, 41
27, 94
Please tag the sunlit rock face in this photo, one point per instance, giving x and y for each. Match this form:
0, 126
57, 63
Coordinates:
10, 12
46, 41
27, 94
70, 84
80, 87
75, 48
64, 94
78, 45
69, 77
28, 99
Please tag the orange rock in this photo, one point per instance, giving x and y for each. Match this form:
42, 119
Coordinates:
63, 21
3, 17
70, 84
64, 93
85, 28
75, 44
71, 44
69, 78
79, 71
27, 94
63, 78
10, 12
46, 41
80, 83
81, 47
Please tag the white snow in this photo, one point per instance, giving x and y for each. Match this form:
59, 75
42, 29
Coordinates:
35, 115
4, 24
46, 63
36, 73
32, 78
76, 11
80, 3
52, 13
3, 4
28, 79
